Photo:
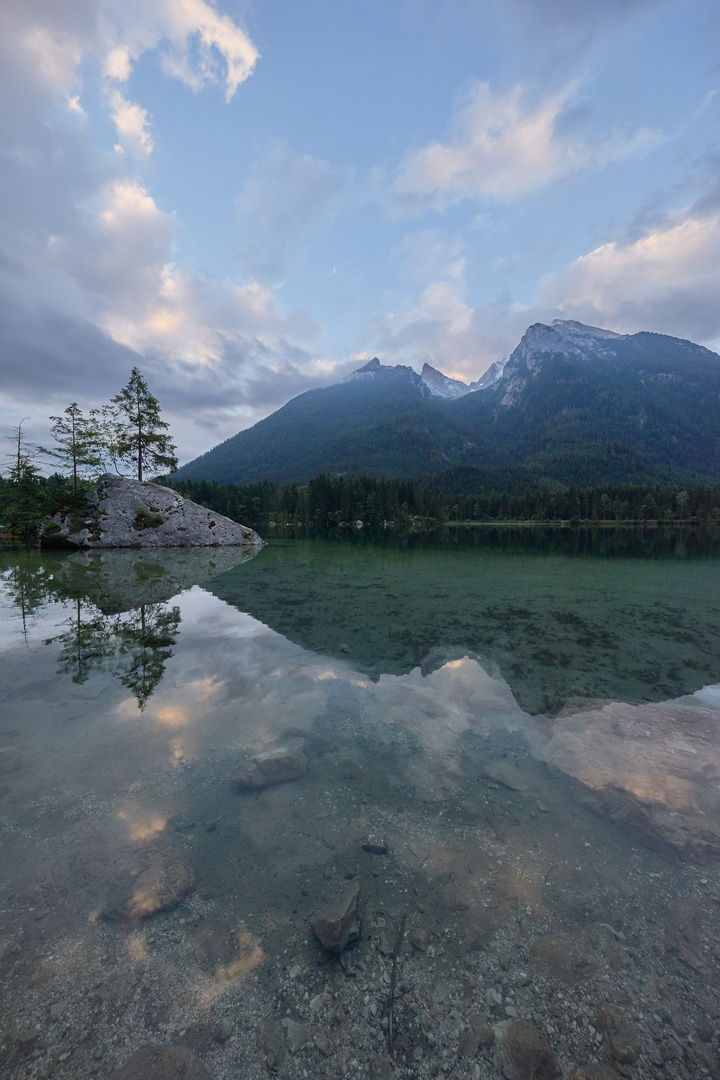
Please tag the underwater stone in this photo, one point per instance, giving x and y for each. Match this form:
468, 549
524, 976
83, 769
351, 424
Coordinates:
622, 1040
275, 766
154, 878
593, 1072
337, 926
162, 1063
529, 1051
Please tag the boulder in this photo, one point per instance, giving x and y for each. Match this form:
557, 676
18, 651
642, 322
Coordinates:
622, 1039
529, 1051
287, 762
554, 957
593, 1072
162, 1063
337, 925
133, 514
142, 880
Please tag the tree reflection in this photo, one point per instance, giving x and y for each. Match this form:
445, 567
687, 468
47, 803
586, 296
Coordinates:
29, 588
145, 639
134, 646
86, 643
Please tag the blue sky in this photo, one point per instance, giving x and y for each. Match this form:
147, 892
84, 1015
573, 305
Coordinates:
248, 199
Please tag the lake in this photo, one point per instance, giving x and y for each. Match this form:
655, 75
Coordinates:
356, 807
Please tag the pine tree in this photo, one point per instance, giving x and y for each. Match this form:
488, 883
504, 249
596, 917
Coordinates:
77, 439
140, 437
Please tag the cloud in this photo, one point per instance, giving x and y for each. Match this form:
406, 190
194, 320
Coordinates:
131, 122
428, 254
503, 147
285, 196
89, 284
667, 280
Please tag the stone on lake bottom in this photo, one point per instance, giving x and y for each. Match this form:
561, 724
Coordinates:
162, 1063
529, 1051
271, 1040
622, 1040
337, 926
593, 1072
276, 766
483, 1030
554, 957
380, 1069
155, 878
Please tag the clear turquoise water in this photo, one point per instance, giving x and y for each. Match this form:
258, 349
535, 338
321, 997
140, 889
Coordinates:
528, 724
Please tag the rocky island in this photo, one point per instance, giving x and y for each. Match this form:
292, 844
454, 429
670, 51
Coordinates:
133, 514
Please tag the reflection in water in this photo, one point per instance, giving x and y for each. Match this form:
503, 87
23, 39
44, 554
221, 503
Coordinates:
134, 647
558, 870
564, 629
145, 641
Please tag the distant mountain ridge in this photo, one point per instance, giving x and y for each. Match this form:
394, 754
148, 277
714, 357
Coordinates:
572, 404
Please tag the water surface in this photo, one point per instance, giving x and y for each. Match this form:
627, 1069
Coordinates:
529, 731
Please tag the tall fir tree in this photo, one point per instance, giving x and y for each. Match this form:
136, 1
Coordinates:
140, 433
78, 442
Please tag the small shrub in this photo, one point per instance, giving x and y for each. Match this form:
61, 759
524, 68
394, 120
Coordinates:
144, 519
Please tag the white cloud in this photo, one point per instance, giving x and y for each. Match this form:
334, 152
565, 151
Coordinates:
88, 280
668, 280
502, 147
131, 122
199, 44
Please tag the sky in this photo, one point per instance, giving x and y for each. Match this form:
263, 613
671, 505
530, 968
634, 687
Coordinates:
247, 199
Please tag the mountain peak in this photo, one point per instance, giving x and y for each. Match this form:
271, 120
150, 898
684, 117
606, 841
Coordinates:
578, 329
442, 386
372, 365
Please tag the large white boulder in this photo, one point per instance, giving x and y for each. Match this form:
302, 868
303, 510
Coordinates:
131, 514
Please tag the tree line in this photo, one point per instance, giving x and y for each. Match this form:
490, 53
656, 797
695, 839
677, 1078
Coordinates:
328, 501
127, 433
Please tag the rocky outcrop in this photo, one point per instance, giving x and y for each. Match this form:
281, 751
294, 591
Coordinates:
131, 514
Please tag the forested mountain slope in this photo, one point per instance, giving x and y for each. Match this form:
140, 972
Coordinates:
573, 404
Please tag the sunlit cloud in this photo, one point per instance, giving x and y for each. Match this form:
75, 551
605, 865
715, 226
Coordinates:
501, 147
665, 281
131, 122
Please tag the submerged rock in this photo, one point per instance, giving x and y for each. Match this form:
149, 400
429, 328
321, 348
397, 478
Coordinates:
162, 1063
137, 881
271, 1041
133, 514
622, 1039
337, 925
287, 762
593, 1072
554, 957
529, 1051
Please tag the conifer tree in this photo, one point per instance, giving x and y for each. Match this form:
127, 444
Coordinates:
77, 439
140, 432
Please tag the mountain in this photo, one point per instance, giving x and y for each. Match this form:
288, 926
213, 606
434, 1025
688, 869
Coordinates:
572, 404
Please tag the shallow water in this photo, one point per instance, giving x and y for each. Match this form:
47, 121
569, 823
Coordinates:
529, 732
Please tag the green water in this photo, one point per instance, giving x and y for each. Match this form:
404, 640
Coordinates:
526, 723
566, 617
